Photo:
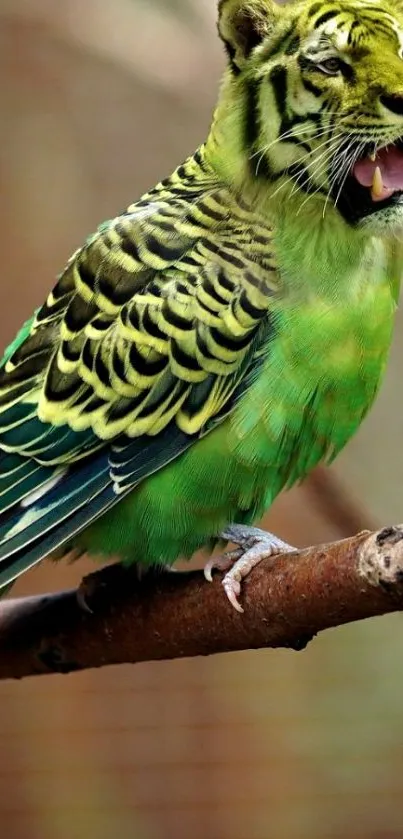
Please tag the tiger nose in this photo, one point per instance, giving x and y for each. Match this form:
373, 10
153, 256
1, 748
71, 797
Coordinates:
393, 103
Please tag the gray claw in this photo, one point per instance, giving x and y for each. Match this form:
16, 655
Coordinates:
255, 545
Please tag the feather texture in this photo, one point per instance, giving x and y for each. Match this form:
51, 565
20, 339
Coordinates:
213, 343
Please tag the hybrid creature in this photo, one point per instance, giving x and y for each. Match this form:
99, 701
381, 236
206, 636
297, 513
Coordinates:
229, 331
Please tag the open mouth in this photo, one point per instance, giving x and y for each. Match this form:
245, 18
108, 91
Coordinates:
374, 183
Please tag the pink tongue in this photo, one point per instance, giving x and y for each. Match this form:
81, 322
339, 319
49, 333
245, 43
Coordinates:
390, 162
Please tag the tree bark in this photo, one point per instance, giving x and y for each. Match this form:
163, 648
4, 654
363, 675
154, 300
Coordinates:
287, 601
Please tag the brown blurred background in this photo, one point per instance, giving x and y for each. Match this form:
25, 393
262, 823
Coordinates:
98, 100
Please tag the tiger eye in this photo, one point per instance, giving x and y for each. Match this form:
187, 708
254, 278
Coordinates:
331, 66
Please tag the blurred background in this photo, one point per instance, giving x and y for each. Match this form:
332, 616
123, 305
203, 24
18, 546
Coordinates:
98, 100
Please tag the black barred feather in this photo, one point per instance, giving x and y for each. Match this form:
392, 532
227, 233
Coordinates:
161, 322
144, 347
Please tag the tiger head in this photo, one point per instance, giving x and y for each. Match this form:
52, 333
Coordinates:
312, 104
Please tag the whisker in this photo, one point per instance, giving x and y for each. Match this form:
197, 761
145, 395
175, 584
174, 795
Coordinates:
295, 132
298, 183
329, 146
324, 141
351, 154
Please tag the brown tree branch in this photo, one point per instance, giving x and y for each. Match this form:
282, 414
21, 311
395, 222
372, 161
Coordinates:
172, 615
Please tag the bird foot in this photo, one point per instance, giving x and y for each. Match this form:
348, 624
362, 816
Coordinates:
254, 546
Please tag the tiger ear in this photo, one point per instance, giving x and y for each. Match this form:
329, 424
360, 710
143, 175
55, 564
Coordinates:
243, 24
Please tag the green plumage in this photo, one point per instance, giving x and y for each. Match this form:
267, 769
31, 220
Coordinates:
211, 345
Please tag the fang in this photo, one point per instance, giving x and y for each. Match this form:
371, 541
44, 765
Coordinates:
377, 184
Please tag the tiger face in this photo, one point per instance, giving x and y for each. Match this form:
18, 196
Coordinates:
322, 85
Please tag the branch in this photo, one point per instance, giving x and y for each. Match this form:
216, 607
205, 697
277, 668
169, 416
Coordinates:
171, 615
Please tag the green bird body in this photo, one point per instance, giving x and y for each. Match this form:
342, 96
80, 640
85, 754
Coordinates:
312, 377
211, 345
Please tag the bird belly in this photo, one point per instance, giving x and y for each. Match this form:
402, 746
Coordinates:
184, 506
231, 475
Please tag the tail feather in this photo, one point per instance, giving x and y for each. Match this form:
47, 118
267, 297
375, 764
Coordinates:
59, 533
49, 516
67, 491
20, 476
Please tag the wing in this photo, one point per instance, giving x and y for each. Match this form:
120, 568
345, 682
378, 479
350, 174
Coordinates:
152, 332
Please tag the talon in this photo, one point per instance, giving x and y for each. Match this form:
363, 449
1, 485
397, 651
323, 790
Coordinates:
208, 570
221, 563
255, 545
232, 589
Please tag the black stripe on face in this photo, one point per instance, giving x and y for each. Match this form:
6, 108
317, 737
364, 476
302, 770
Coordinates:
251, 127
293, 46
301, 175
278, 79
324, 18
373, 20
279, 45
314, 9
311, 87
350, 37
286, 126
261, 169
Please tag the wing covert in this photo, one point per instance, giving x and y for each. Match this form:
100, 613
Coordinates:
154, 329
